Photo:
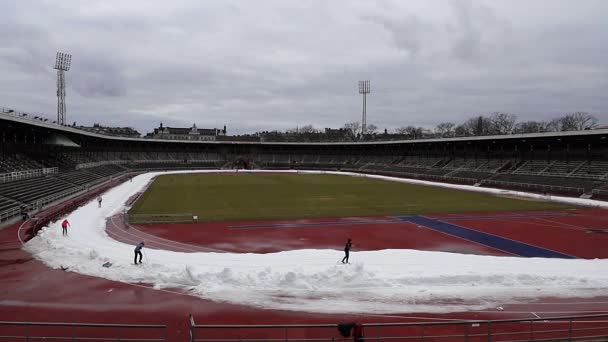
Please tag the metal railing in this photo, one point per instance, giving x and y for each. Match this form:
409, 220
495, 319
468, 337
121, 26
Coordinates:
29, 115
160, 218
600, 192
99, 163
422, 176
9, 213
28, 331
40, 203
16, 175
589, 327
535, 187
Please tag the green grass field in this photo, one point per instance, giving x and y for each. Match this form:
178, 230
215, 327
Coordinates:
222, 197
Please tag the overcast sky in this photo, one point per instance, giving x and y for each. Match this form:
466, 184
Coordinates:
266, 65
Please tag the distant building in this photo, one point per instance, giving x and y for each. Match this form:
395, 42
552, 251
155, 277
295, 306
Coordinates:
128, 132
192, 133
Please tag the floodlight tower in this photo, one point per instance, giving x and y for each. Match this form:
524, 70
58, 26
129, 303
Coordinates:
62, 64
364, 90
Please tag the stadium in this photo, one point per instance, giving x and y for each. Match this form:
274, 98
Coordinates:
482, 196
471, 206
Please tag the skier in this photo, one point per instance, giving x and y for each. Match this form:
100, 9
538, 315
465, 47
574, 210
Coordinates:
138, 252
64, 225
99, 199
24, 215
347, 248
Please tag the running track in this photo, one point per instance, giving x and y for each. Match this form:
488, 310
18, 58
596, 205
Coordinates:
29, 291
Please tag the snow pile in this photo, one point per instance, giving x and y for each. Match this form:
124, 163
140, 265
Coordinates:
386, 281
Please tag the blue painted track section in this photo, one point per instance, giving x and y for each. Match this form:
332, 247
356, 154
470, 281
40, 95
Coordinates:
494, 241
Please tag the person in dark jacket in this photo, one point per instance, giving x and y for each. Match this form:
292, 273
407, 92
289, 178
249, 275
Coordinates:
138, 252
347, 248
24, 215
356, 328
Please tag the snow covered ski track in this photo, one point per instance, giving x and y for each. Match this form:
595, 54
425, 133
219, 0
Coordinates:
386, 281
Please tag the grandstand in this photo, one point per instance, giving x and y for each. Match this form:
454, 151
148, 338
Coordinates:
42, 163
55, 169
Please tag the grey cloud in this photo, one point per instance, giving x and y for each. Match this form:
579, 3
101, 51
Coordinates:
478, 31
93, 76
277, 64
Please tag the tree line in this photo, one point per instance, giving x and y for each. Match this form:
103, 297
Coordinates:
497, 123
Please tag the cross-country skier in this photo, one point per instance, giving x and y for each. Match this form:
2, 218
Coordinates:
99, 199
64, 225
347, 248
138, 252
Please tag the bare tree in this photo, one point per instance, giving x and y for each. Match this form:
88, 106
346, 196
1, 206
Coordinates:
411, 132
554, 125
461, 131
502, 123
578, 121
531, 127
303, 130
480, 125
353, 127
401, 130
308, 129
371, 129
445, 129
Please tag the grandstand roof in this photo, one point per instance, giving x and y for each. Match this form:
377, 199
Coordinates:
68, 129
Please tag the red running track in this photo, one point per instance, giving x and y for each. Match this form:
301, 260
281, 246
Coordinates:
575, 233
29, 291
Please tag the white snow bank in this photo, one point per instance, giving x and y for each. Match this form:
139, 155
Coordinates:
387, 281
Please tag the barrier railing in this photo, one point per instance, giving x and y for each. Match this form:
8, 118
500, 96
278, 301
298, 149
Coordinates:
37, 204
27, 331
570, 328
160, 218
10, 213
535, 187
600, 193
100, 163
421, 176
31, 115
16, 175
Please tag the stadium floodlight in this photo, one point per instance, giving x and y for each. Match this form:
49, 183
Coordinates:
63, 61
364, 89
62, 64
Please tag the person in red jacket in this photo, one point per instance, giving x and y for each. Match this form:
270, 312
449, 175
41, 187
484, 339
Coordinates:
64, 225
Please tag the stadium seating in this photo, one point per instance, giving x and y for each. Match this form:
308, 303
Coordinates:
29, 190
17, 162
550, 182
533, 167
80, 177
592, 169
563, 167
7, 204
472, 174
